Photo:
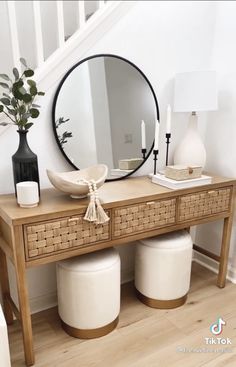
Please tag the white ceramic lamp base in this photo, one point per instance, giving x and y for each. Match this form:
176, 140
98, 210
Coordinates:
191, 150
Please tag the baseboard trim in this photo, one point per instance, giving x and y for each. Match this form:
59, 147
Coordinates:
49, 300
43, 302
213, 265
127, 276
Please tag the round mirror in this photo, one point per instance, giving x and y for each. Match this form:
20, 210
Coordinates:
98, 112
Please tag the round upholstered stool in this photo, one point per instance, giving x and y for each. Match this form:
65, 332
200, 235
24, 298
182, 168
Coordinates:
89, 293
163, 268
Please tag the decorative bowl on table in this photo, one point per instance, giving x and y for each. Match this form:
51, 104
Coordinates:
75, 183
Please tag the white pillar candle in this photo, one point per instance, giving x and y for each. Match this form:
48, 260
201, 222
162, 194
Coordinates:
156, 143
27, 194
143, 135
168, 120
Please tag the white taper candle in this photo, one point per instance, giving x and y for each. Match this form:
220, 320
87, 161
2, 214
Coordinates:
156, 143
168, 120
143, 135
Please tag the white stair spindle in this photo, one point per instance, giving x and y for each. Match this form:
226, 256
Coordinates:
60, 23
101, 3
81, 13
38, 33
14, 33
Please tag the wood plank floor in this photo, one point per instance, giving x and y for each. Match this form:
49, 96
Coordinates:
145, 337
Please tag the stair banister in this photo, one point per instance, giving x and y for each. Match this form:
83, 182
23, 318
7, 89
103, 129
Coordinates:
101, 3
81, 14
11, 7
38, 33
60, 24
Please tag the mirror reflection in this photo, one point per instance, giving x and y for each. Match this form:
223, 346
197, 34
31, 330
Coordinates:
99, 109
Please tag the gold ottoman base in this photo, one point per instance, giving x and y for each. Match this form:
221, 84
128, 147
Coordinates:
155, 303
90, 333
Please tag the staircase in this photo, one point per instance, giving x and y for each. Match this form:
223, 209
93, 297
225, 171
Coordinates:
53, 35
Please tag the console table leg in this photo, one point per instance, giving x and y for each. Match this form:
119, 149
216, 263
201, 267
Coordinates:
4, 281
23, 298
224, 253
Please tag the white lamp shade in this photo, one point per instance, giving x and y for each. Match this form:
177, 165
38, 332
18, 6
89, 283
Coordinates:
195, 91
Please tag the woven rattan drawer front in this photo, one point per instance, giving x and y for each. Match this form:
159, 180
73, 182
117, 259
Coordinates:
143, 217
50, 237
204, 203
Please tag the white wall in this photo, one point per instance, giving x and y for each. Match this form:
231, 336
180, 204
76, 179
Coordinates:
130, 101
75, 102
5, 40
221, 125
162, 38
26, 32
70, 17
49, 26
100, 110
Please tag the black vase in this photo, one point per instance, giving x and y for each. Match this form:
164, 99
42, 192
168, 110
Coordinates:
24, 161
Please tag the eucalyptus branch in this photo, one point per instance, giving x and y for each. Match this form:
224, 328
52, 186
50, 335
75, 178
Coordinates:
19, 101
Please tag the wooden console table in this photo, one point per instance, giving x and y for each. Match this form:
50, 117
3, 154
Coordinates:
138, 209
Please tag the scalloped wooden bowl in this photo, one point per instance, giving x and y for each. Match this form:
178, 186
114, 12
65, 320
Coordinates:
71, 182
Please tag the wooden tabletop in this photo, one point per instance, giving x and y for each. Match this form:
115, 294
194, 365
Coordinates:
127, 191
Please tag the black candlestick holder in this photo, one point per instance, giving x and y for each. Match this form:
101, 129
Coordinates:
144, 151
168, 136
155, 155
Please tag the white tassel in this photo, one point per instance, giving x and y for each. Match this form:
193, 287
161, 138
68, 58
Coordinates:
95, 212
91, 213
102, 217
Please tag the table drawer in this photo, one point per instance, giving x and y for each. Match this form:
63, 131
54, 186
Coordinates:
204, 203
50, 237
141, 217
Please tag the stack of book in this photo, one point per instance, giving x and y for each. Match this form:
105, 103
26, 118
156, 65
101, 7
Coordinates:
173, 184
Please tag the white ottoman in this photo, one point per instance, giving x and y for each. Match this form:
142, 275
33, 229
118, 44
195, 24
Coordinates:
163, 269
89, 293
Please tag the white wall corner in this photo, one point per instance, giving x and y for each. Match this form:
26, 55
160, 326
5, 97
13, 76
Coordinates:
43, 302
213, 265
127, 275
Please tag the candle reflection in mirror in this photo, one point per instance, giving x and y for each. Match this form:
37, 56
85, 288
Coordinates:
143, 137
156, 145
168, 132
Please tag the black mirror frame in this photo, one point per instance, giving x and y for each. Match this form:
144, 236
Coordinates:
55, 102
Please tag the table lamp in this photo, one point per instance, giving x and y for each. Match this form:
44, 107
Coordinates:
194, 92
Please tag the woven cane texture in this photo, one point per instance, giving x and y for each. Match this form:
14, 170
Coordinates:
62, 234
204, 203
144, 216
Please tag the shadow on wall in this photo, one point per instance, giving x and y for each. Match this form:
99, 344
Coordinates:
127, 261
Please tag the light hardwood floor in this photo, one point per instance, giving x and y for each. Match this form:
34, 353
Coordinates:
145, 337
